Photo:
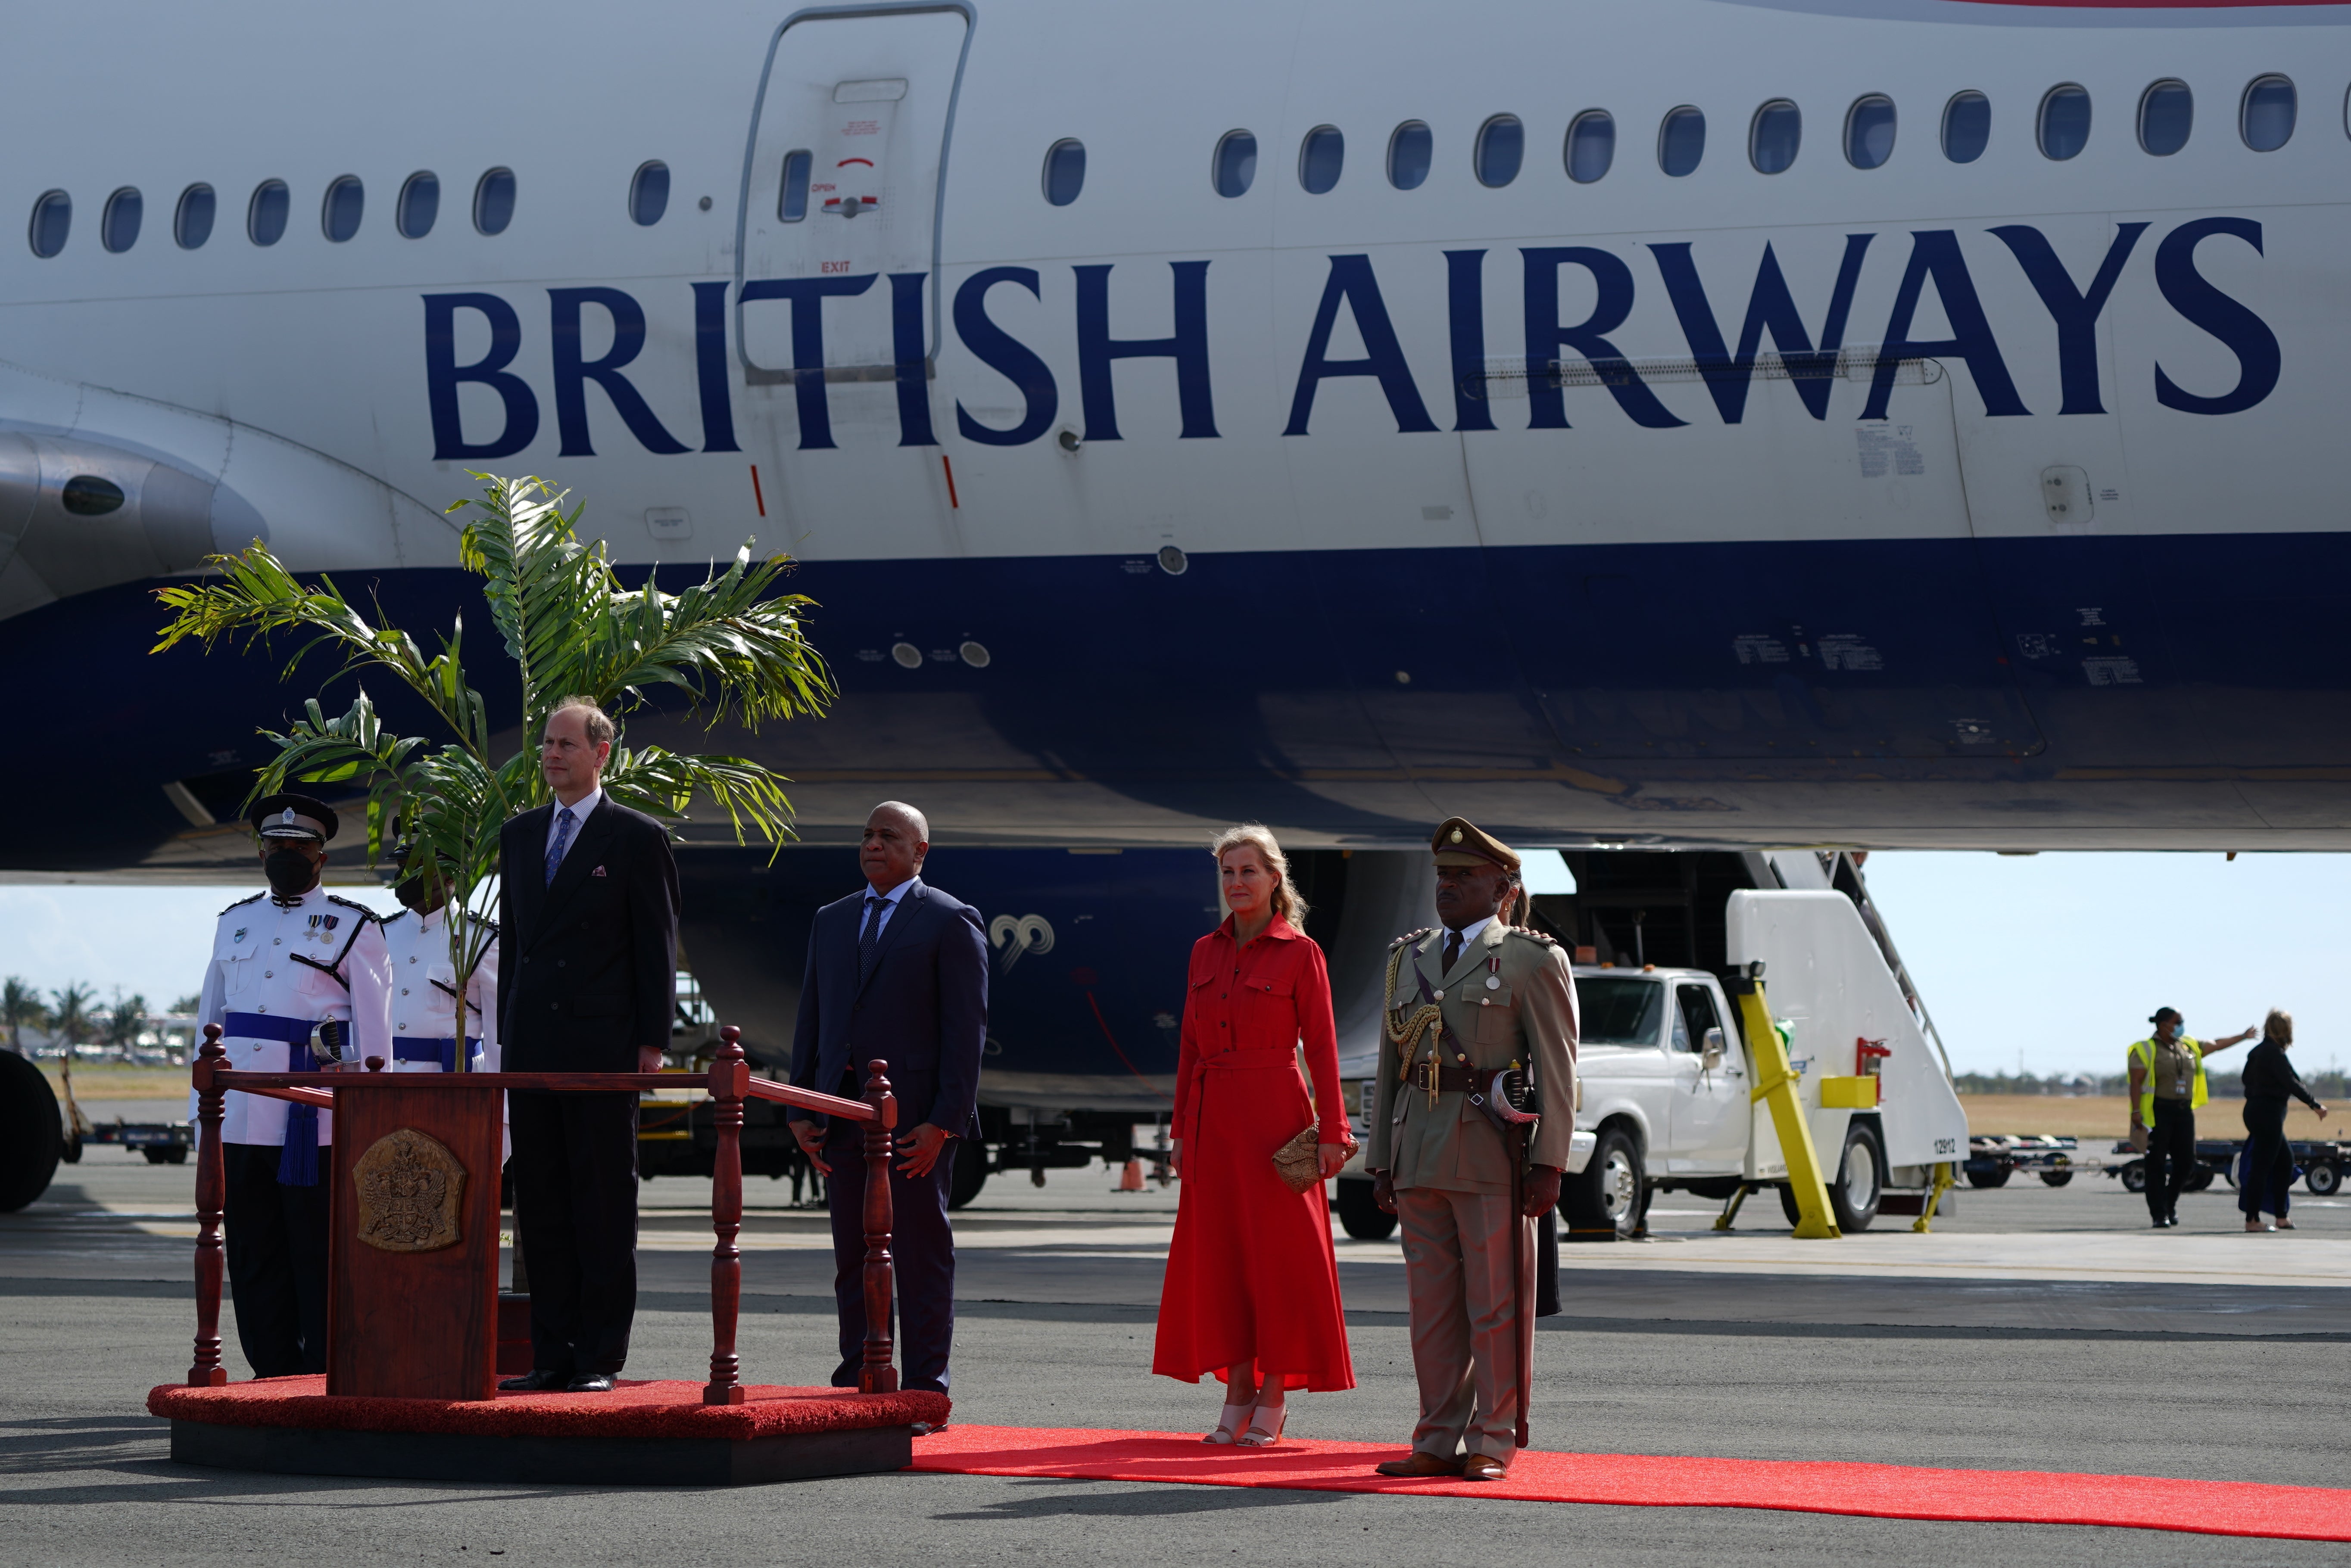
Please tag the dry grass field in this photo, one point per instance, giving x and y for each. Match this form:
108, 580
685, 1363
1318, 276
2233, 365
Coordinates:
93, 1084
2108, 1117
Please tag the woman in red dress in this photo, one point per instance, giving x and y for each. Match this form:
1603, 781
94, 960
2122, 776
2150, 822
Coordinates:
1252, 1287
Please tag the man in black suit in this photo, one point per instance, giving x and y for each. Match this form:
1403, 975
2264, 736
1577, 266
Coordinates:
589, 894
898, 969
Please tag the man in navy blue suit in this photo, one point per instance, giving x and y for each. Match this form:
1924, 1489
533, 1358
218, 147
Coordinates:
899, 971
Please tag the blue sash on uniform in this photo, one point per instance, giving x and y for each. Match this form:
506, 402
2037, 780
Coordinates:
442, 1051
297, 1163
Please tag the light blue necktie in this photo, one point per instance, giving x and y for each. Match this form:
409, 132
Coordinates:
562, 841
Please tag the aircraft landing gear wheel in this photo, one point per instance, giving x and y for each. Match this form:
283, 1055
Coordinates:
1611, 1193
970, 1173
1861, 1179
1359, 1216
32, 1136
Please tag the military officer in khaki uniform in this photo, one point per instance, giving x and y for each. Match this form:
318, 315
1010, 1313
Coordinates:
1476, 995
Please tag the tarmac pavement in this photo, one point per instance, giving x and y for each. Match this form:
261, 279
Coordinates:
2034, 1329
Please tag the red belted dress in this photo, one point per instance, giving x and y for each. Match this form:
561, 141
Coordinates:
1250, 1273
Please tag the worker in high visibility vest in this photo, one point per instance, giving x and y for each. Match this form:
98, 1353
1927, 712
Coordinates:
2166, 1084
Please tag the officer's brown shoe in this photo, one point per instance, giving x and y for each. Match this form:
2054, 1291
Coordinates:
1483, 1466
1419, 1466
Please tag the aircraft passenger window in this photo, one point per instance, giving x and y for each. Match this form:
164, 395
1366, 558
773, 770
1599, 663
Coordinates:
791, 202
2267, 118
1681, 141
340, 213
192, 221
419, 204
118, 226
1320, 157
1501, 146
494, 201
1967, 126
649, 193
2064, 122
1591, 145
1869, 131
1065, 171
266, 214
2166, 112
52, 221
1409, 151
1235, 170
1772, 140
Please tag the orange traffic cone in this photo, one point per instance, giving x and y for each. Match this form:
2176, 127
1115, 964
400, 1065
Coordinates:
1131, 1178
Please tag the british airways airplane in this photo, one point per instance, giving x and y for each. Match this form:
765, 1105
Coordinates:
1701, 425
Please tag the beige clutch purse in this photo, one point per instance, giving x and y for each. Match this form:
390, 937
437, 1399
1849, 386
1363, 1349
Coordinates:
1299, 1162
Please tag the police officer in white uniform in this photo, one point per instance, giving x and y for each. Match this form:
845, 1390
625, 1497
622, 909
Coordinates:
298, 981
426, 1036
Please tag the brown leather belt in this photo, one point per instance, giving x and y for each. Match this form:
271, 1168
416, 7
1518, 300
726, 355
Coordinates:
1449, 1080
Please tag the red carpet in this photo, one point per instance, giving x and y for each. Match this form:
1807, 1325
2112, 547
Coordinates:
1876, 1492
631, 1410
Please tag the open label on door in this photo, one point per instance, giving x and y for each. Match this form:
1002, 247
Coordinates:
848, 144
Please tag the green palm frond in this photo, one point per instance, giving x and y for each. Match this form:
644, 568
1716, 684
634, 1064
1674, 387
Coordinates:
733, 646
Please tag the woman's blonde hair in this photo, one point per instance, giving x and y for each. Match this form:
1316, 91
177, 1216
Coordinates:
2278, 1026
1288, 901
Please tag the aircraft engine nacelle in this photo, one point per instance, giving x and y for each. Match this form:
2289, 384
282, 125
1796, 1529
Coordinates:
79, 515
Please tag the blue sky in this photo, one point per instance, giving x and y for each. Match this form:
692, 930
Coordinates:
2053, 961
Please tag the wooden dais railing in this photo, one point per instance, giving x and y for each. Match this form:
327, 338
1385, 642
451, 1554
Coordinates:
729, 1082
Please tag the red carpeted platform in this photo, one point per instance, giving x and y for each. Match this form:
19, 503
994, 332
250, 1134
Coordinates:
1642, 1480
640, 1434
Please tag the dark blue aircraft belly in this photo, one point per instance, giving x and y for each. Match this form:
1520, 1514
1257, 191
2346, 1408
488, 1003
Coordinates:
1728, 691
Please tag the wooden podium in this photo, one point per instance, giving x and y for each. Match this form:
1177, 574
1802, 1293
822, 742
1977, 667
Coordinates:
413, 1243
413, 1247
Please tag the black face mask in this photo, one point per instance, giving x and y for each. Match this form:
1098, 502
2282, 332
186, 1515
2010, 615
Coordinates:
290, 872
412, 893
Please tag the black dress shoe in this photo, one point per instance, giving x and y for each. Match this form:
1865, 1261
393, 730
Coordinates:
590, 1382
537, 1381
925, 1428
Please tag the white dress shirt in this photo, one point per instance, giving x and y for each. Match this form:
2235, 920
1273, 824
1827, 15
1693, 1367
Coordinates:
1469, 936
579, 812
889, 907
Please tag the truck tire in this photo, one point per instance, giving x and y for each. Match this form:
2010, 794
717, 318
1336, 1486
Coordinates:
1359, 1216
32, 1136
2198, 1179
1996, 1177
2056, 1178
2135, 1176
1860, 1180
1609, 1194
970, 1173
2324, 1178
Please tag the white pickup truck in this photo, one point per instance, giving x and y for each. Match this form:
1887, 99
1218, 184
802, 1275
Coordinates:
1667, 1078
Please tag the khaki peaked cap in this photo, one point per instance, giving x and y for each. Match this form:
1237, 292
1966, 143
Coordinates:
1460, 842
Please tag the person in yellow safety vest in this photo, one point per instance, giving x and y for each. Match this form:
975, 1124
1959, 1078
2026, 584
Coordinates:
2166, 1084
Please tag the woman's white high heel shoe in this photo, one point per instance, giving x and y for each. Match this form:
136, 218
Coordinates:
1228, 1423
1257, 1436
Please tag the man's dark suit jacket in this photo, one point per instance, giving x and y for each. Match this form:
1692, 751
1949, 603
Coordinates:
588, 964
924, 1008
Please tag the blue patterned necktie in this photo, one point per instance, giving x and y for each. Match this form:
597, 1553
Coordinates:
868, 941
562, 841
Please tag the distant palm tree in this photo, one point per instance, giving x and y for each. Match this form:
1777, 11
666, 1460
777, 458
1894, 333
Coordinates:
20, 1005
70, 1015
125, 1021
